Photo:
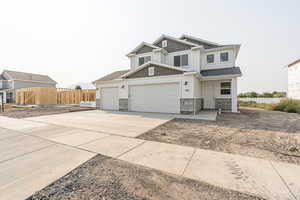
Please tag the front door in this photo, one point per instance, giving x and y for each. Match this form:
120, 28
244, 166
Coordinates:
209, 94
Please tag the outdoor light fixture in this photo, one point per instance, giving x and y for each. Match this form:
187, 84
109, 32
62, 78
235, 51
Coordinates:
185, 83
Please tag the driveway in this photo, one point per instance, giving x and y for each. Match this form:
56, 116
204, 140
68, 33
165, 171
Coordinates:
39, 150
128, 124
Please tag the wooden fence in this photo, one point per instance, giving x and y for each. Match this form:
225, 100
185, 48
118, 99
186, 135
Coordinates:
44, 96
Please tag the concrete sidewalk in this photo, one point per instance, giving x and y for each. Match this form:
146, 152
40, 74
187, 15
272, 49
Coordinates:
267, 179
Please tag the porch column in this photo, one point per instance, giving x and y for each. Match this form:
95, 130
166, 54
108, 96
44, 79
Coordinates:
234, 95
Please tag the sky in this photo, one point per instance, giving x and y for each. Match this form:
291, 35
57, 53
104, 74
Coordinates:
81, 40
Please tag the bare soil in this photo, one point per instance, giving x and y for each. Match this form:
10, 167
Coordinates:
39, 111
254, 132
103, 178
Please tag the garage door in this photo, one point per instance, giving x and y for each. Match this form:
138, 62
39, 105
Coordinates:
110, 98
163, 98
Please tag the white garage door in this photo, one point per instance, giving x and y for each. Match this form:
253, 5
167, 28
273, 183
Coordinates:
163, 98
110, 98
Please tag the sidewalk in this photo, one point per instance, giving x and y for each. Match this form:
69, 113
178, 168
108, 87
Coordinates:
271, 180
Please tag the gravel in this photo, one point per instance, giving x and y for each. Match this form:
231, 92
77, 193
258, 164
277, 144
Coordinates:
39, 111
104, 178
257, 133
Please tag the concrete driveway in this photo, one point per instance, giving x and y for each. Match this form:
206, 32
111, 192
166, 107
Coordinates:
37, 151
128, 124
34, 152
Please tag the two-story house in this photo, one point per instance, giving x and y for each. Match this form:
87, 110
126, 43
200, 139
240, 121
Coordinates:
173, 75
10, 81
294, 80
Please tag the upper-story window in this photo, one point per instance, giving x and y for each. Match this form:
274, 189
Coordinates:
181, 60
210, 58
164, 43
224, 57
143, 60
225, 88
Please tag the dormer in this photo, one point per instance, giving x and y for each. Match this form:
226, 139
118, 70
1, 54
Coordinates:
186, 52
144, 53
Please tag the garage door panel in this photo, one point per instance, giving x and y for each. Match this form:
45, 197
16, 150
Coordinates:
110, 98
162, 98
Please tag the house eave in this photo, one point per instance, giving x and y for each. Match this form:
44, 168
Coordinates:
198, 39
153, 63
174, 39
139, 46
218, 77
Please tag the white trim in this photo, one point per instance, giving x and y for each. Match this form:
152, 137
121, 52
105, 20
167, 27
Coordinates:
174, 39
153, 63
164, 43
206, 78
198, 39
155, 77
141, 45
104, 82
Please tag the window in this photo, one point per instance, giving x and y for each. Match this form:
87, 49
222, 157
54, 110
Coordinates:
224, 57
225, 88
143, 60
164, 43
151, 71
182, 60
210, 58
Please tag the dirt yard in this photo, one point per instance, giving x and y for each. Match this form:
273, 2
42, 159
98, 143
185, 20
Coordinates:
103, 178
39, 111
258, 133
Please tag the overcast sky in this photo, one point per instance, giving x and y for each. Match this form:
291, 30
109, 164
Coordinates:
80, 41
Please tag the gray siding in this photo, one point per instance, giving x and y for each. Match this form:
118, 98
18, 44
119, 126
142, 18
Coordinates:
174, 46
25, 84
205, 45
144, 49
158, 71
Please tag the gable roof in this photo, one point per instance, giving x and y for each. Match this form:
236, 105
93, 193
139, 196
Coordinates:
112, 76
222, 71
174, 39
141, 45
199, 41
2, 77
294, 63
153, 63
24, 76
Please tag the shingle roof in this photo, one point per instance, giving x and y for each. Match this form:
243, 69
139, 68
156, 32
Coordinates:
2, 77
223, 71
113, 75
29, 77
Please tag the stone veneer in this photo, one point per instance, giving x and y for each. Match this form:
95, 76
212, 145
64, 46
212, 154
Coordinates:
187, 105
223, 103
98, 103
123, 104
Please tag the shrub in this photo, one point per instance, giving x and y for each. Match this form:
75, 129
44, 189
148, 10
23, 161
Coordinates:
253, 104
289, 105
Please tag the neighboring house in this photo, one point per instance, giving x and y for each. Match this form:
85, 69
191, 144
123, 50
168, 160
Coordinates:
294, 80
173, 75
10, 81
